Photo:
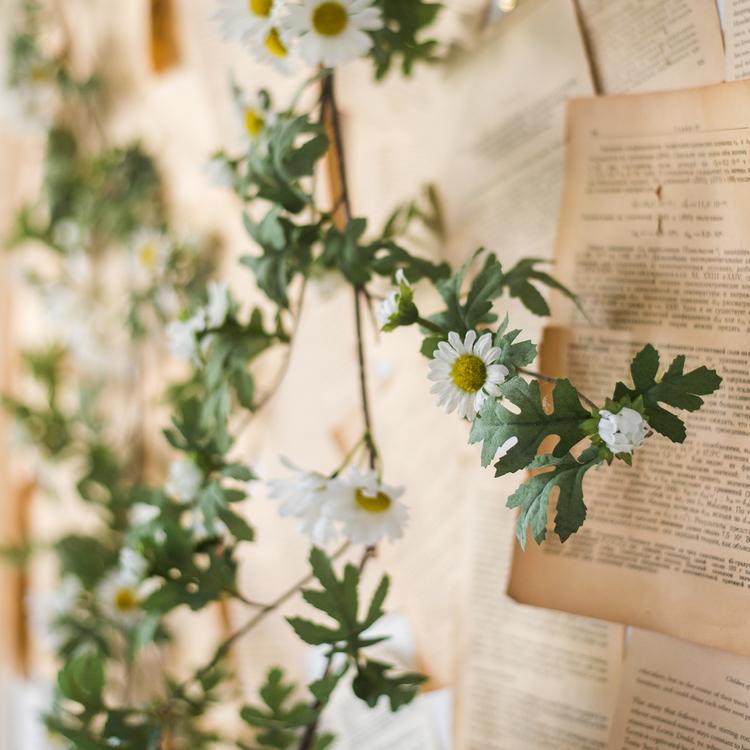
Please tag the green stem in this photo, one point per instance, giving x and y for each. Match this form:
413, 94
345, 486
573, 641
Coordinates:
429, 325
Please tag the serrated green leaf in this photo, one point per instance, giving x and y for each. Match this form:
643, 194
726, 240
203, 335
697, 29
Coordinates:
374, 681
314, 634
675, 388
495, 425
533, 496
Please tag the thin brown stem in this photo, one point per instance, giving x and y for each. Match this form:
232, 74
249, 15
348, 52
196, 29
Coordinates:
342, 215
226, 645
552, 379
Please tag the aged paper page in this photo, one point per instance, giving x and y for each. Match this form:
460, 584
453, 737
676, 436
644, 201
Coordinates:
503, 183
737, 38
532, 679
654, 237
652, 45
680, 696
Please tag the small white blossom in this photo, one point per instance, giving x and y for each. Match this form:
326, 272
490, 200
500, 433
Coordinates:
307, 495
150, 252
142, 514
182, 336
367, 509
332, 33
185, 479
389, 306
122, 591
465, 373
218, 304
624, 431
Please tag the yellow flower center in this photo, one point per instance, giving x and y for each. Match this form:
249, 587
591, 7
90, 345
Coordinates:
253, 122
469, 373
148, 255
38, 73
260, 7
330, 19
126, 600
378, 504
274, 44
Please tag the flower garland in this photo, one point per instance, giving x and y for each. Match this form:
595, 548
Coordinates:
159, 548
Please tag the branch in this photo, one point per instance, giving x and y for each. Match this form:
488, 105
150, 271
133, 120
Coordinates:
226, 645
342, 216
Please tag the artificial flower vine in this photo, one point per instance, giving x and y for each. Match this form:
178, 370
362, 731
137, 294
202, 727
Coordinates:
169, 546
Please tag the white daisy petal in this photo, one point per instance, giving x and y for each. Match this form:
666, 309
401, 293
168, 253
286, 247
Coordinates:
331, 32
464, 374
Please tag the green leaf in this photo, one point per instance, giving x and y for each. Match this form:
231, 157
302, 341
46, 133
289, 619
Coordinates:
533, 496
339, 600
374, 680
278, 717
82, 680
519, 283
676, 388
238, 526
514, 354
240, 472
462, 316
86, 557
314, 634
495, 425
400, 37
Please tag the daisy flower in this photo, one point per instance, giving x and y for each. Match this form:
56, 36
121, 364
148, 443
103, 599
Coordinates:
241, 20
254, 114
309, 496
150, 253
465, 373
273, 47
185, 479
367, 509
332, 32
121, 593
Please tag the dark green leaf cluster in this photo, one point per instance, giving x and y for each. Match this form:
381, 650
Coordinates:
281, 722
675, 387
109, 194
339, 599
473, 309
84, 717
401, 41
520, 433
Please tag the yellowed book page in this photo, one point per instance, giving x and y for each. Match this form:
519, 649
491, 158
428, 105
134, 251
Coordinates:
531, 678
503, 182
681, 696
653, 45
737, 39
671, 534
654, 237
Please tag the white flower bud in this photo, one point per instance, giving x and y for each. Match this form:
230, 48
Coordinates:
622, 432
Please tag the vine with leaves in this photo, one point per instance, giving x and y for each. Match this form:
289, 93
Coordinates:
158, 548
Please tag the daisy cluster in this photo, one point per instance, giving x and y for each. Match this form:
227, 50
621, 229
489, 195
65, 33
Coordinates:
356, 505
317, 32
